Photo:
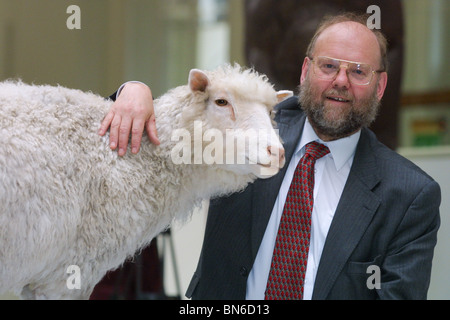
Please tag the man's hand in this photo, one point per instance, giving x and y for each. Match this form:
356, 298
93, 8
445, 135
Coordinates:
131, 112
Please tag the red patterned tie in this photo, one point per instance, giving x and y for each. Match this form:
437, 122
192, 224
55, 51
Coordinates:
290, 255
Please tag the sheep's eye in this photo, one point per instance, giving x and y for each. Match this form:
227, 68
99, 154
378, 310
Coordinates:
221, 102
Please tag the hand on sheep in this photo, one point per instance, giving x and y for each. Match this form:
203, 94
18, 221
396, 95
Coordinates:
131, 112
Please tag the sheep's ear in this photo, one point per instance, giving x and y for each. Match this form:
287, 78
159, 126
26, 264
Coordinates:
198, 80
284, 94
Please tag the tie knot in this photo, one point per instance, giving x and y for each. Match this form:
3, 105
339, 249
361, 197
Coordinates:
316, 150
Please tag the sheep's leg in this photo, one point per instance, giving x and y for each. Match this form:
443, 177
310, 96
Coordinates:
28, 293
33, 294
53, 293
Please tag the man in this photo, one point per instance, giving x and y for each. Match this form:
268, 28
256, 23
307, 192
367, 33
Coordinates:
375, 216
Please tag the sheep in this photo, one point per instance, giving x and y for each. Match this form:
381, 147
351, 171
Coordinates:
71, 209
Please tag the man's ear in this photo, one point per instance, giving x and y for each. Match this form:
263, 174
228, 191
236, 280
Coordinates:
198, 80
381, 85
305, 68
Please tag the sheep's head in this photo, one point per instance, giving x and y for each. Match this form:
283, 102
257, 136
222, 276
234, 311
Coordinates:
230, 121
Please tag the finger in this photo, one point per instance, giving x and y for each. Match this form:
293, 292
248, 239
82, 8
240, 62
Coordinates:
124, 133
114, 132
136, 135
106, 123
152, 132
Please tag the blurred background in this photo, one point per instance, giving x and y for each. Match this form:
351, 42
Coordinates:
104, 43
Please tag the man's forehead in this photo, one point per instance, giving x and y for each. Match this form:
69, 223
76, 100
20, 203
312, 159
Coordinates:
349, 41
348, 26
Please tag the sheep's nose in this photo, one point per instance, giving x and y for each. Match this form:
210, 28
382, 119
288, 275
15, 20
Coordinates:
277, 151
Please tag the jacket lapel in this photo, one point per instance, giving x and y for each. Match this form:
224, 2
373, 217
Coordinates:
354, 212
290, 124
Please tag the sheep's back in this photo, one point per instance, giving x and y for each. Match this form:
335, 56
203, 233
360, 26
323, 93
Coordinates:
48, 134
65, 197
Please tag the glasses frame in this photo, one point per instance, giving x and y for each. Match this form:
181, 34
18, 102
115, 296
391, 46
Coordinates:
346, 71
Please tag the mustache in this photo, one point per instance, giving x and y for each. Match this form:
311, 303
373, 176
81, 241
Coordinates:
344, 93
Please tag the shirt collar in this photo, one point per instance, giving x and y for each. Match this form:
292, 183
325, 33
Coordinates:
341, 150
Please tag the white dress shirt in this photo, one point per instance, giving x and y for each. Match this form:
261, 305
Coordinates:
331, 172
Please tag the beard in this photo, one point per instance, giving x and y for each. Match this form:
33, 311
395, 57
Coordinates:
337, 122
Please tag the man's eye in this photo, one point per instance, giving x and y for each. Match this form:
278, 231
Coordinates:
360, 73
328, 67
221, 102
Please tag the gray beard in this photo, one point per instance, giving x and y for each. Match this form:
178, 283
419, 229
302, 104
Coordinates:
361, 114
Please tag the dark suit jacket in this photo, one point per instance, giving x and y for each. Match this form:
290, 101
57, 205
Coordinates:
388, 216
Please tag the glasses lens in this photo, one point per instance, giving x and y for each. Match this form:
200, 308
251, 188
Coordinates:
327, 68
359, 73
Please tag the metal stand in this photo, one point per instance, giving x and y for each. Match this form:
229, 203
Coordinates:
140, 294
167, 237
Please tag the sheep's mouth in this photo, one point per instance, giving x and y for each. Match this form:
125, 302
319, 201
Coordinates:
264, 165
252, 162
265, 171
272, 165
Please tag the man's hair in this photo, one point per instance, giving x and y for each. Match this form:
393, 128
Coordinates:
351, 17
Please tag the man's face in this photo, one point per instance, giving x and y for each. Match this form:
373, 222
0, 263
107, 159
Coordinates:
337, 107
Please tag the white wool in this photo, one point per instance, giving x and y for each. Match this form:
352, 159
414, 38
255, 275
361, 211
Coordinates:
67, 199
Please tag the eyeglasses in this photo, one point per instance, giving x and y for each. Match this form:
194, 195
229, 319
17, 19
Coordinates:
327, 68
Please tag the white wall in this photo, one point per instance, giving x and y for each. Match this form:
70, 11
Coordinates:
37, 46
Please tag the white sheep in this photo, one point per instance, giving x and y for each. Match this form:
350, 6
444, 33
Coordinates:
69, 204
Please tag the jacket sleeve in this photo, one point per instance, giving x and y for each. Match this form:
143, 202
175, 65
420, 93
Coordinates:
113, 96
407, 264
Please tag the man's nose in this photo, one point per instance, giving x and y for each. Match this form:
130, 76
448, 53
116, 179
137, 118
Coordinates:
341, 79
